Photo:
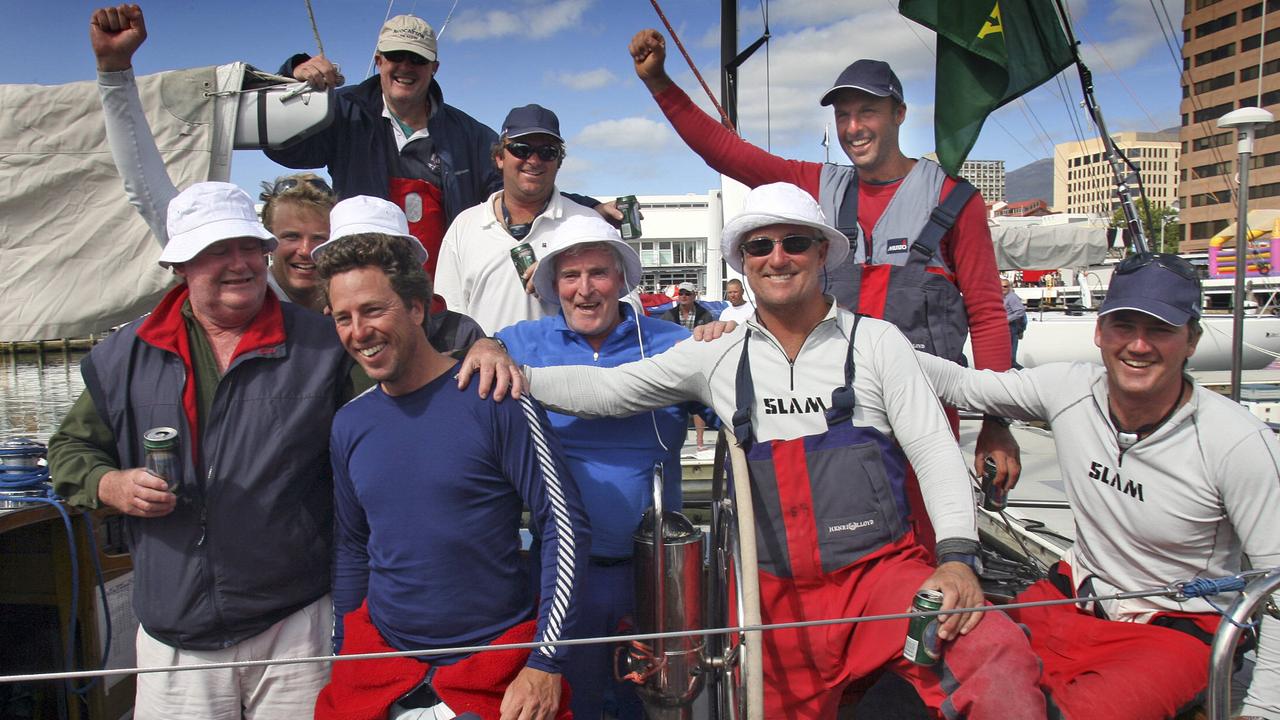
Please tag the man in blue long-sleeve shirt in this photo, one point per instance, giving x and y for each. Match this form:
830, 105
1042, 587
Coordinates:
429, 487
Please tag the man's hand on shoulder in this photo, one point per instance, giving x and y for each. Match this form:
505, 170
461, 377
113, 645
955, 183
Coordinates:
498, 372
136, 492
533, 695
116, 33
319, 73
649, 53
960, 589
713, 330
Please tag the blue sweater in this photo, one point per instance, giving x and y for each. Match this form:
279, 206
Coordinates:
428, 491
612, 458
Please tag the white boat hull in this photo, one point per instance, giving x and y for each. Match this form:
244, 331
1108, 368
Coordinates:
1055, 337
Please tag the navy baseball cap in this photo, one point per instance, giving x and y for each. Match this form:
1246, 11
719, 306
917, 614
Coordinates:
1161, 285
531, 120
869, 76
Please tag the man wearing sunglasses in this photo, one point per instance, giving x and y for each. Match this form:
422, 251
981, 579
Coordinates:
933, 274
687, 311
1168, 481
830, 407
476, 275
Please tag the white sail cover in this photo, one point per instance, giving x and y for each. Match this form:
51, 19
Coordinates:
76, 257
1049, 247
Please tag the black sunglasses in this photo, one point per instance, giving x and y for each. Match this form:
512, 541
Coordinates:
547, 153
791, 245
284, 185
1173, 263
399, 56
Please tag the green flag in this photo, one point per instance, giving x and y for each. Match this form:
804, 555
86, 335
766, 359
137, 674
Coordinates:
989, 53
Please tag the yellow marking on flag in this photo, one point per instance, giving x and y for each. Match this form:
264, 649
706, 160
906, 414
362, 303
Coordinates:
992, 25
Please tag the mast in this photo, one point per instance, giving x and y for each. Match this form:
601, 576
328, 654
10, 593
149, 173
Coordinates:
1123, 177
728, 51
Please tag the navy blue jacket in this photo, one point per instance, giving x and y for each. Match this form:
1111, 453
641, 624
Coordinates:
359, 148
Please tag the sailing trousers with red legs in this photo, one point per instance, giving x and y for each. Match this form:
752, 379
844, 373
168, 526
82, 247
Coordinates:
989, 673
1098, 668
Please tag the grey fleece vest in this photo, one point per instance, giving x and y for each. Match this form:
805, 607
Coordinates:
924, 305
250, 540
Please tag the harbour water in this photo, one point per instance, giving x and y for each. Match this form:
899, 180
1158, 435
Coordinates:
35, 393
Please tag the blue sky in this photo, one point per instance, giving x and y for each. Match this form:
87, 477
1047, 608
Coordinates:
570, 55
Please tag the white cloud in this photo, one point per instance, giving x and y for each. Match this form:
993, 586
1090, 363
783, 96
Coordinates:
587, 80
532, 20
633, 133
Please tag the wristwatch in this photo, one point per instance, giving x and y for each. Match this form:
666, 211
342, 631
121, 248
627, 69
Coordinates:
974, 561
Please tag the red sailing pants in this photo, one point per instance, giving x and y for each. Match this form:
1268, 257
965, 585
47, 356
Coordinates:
1099, 668
366, 689
989, 673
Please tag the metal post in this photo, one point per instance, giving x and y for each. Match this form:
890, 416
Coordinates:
1246, 120
1226, 639
1242, 252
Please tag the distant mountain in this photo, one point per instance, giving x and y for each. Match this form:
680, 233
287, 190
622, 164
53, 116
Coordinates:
1030, 182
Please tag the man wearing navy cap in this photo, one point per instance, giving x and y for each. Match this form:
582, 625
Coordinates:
1168, 481
921, 250
475, 274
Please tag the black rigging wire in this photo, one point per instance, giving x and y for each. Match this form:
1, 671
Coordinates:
768, 97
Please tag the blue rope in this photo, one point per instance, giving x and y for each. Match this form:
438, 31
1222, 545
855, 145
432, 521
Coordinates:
25, 478
1206, 588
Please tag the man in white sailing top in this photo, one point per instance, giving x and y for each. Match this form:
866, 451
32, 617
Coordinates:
1168, 481
740, 309
831, 406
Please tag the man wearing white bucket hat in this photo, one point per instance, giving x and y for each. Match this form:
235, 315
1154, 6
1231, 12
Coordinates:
231, 553
830, 407
921, 255
449, 332
429, 484
589, 268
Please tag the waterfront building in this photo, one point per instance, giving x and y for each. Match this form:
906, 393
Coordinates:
1224, 70
1036, 207
1083, 181
681, 242
987, 176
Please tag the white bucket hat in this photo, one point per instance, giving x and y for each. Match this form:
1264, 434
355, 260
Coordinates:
206, 213
779, 204
365, 214
579, 230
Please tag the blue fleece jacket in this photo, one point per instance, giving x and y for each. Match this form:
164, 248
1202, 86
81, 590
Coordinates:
611, 459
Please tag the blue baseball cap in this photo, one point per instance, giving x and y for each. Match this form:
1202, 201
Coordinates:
1164, 286
869, 76
531, 120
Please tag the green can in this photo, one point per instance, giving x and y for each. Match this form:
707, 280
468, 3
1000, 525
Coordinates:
630, 209
923, 647
523, 257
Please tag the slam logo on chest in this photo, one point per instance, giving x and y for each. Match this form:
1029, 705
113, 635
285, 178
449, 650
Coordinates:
1111, 478
794, 406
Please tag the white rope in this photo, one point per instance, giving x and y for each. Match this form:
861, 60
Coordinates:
1170, 591
369, 70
